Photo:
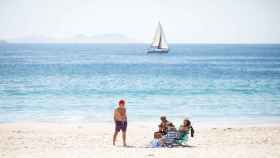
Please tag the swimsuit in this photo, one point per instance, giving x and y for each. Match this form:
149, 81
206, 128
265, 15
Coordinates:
121, 125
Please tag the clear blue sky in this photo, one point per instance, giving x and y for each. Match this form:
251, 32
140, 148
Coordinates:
211, 21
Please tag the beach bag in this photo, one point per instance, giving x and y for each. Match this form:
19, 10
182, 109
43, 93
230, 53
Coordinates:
155, 143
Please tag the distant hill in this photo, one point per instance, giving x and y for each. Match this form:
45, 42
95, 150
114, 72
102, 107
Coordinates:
3, 42
81, 38
32, 39
103, 38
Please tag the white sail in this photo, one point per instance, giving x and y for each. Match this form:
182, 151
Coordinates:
159, 40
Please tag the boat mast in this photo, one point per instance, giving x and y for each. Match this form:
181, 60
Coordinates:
159, 43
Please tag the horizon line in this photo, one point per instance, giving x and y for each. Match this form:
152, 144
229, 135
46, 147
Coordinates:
7, 42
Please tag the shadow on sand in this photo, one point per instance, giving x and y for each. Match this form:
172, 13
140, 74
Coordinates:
175, 146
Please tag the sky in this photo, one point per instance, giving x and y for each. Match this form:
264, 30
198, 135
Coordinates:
189, 21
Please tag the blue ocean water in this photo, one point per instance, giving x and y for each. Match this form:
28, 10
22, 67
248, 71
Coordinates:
83, 82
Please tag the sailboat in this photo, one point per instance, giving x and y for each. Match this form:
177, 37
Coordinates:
159, 44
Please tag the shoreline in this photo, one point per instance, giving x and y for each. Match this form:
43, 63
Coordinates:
197, 122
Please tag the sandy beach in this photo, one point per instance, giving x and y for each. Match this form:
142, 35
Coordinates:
57, 140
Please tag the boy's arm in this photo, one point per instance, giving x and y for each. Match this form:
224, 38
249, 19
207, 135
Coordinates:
115, 115
125, 115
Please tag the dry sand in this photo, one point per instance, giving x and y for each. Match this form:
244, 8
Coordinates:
57, 140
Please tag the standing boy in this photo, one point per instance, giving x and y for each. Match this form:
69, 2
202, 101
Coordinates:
120, 119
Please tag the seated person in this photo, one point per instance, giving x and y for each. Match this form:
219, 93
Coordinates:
186, 127
163, 125
171, 135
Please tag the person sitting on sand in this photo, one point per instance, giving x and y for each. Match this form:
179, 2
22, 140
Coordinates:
120, 119
163, 125
171, 134
186, 127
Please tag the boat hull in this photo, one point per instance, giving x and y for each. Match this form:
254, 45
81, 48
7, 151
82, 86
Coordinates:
159, 51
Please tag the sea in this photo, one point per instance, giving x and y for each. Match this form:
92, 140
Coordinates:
84, 82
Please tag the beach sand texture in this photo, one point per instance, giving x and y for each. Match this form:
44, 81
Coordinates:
56, 140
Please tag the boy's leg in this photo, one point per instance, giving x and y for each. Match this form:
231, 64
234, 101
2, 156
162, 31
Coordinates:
115, 137
124, 138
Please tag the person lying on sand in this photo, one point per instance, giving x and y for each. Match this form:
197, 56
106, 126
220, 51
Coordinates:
120, 119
